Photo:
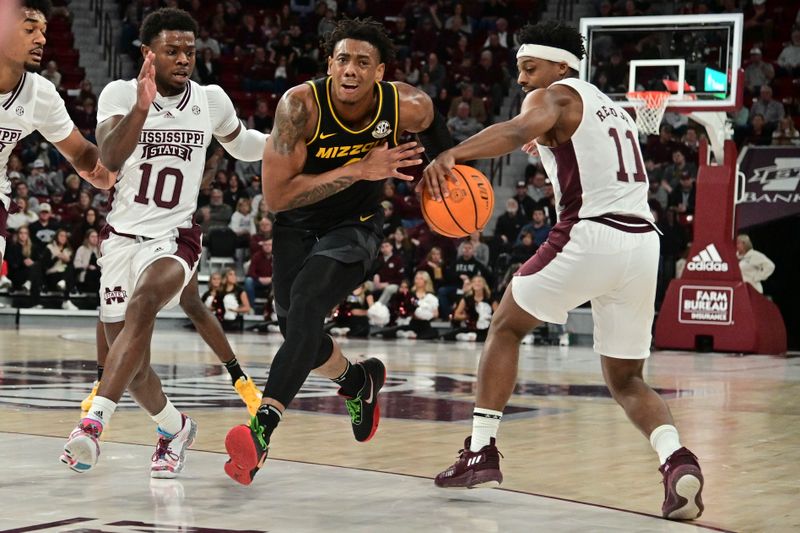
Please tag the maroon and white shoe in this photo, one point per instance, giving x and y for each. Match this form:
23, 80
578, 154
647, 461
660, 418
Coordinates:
683, 485
473, 470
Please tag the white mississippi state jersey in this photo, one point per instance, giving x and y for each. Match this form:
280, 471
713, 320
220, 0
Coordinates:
600, 170
157, 186
34, 104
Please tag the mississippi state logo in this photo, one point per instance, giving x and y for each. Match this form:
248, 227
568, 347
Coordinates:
117, 294
382, 129
20, 110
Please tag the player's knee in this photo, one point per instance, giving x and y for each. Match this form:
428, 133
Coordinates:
143, 306
623, 377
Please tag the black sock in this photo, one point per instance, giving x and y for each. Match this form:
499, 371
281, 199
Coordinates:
99, 372
268, 416
351, 380
235, 370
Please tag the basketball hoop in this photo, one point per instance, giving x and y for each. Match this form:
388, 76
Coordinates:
650, 107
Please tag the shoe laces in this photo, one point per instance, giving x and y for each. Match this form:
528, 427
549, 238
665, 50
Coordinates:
354, 409
258, 431
91, 429
163, 450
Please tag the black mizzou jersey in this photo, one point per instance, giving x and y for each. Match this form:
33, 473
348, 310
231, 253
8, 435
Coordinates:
335, 145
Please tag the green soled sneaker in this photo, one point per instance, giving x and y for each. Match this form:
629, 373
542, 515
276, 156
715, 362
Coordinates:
365, 413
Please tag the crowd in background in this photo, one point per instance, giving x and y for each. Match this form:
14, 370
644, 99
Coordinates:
462, 55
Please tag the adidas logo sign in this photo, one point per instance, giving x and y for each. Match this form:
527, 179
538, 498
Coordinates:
169, 115
708, 260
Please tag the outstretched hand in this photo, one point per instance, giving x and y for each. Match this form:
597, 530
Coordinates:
100, 177
383, 162
146, 83
435, 176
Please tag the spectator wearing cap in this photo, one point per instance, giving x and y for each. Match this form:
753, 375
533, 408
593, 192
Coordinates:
789, 58
43, 231
672, 173
259, 275
40, 183
770, 109
758, 72
525, 202
21, 190
462, 126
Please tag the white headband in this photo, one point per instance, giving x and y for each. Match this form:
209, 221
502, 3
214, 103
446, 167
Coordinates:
549, 53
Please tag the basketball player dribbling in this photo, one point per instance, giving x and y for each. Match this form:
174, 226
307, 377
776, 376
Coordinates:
604, 249
155, 131
333, 145
29, 102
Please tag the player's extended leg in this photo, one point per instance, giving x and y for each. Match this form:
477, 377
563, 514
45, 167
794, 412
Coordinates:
479, 462
210, 330
101, 347
321, 283
127, 367
683, 479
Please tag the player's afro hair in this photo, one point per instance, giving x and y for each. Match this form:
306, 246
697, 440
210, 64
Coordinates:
166, 18
554, 34
366, 29
45, 6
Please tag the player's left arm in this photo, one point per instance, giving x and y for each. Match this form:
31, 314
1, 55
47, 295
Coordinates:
242, 143
85, 157
541, 110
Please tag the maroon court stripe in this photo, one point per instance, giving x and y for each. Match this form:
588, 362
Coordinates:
48, 525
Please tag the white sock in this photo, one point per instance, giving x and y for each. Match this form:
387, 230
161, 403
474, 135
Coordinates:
665, 441
484, 427
101, 410
169, 420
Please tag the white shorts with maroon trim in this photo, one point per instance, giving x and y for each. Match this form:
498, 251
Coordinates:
615, 269
123, 258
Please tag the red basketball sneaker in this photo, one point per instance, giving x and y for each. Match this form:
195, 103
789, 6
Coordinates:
473, 470
683, 484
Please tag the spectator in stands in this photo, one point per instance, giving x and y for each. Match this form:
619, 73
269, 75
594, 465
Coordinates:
661, 147
43, 231
100, 202
672, 173
414, 310
538, 226
350, 317
206, 42
755, 266
207, 69
212, 298
473, 313
423, 43
216, 213
52, 74
442, 101
260, 73
758, 72
242, 222
538, 181
504, 38
85, 118
465, 267
426, 85
465, 20
434, 266
261, 119
86, 91
490, 80
524, 201
657, 193
524, 248
682, 198
549, 203
758, 133
253, 190
789, 58
758, 24
411, 71
403, 247
508, 225
476, 107
479, 248
401, 36
391, 219
390, 272
263, 232
87, 273
24, 257
235, 302
462, 125
234, 192
73, 190
58, 270
73, 213
21, 191
23, 217
258, 282
786, 134
89, 221
327, 23
770, 109
490, 11
42, 183
435, 69
691, 144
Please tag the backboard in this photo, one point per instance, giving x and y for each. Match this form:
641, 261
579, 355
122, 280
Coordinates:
700, 55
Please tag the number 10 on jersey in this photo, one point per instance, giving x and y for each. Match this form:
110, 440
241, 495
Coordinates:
161, 180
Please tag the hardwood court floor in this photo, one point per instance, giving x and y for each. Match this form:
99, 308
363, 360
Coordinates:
562, 437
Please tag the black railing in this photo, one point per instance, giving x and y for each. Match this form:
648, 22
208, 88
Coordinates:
105, 38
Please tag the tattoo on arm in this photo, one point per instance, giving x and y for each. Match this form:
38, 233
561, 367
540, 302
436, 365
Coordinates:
320, 192
290, 124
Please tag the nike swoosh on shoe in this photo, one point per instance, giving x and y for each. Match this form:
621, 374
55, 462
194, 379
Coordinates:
371, 391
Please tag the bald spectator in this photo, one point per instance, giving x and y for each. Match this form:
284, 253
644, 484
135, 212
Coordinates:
772, 110
463, 126
476, 108
216, 214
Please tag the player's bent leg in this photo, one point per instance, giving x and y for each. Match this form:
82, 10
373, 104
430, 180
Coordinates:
211, 332
682, 476
478, 463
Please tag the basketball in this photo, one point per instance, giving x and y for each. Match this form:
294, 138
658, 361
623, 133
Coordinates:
467, 209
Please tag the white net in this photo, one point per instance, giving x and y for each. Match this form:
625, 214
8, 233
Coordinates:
650, 107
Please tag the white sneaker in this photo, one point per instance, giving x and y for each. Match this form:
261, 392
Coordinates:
82, 448
563, 339
339, 332
170, 455
528, 339
274, 328
69, 306
27, 286
61, 284
4, 282
469, 336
